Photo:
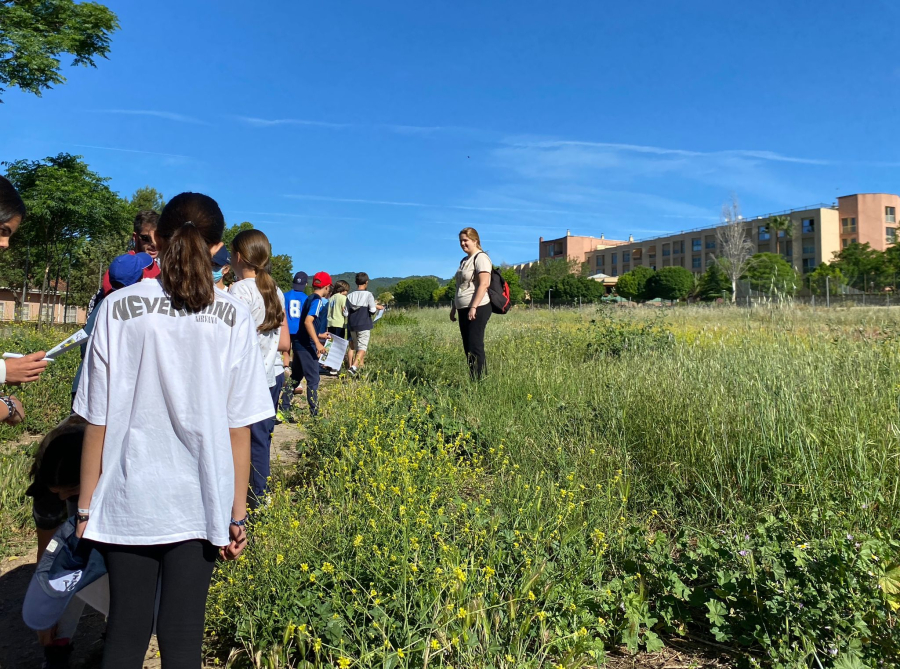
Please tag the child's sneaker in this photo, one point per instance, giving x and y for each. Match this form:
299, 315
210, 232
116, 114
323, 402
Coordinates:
353, 371
279, 418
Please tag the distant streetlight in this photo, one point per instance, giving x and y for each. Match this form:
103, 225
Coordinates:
549, 305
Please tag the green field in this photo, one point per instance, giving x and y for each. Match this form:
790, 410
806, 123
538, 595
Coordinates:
621, 477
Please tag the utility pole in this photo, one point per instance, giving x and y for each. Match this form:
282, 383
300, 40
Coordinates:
549, 304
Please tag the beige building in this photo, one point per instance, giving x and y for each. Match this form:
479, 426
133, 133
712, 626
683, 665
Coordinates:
55, 309
818, 233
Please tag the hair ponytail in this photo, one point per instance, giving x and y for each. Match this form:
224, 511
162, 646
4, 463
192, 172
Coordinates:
189, 225
256, 252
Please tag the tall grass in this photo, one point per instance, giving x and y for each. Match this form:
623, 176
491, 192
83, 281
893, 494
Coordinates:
618, 474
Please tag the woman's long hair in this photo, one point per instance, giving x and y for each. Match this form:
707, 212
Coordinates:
189, 225
256, 253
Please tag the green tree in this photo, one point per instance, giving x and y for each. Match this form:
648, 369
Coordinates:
282, 270
232, 231
714, 283
68, 205
769, 273
416, 291
445, 293
817, 279
385, 297
778, 224
35, 33
671, 283
864, 267
516, 291
633, 284
147, 199
553, 269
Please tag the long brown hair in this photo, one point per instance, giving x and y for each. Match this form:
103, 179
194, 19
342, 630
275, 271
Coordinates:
256, 253
189, 225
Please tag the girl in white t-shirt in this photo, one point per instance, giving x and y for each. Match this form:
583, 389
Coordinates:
166, 456
471, 301
250, 258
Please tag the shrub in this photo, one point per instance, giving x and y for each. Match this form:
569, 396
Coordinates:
671, 283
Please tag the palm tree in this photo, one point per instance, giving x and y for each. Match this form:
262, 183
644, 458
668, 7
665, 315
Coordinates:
778, 223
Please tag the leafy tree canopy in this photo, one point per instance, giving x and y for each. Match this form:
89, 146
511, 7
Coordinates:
817, 279
714, 283
553, 269
413, 291
147, 199
633, 284
770, 272
35, 33
671, 283
516, 291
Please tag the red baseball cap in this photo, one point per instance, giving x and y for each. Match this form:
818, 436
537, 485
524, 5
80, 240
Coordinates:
321, 279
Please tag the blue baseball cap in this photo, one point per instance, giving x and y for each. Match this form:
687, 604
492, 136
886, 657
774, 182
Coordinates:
221, 257
300, 279
67, 565
128, 269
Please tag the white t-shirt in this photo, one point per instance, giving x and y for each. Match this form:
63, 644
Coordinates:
466, 281
168, 385
247, 292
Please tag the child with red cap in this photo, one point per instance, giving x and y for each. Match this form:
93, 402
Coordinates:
309, 342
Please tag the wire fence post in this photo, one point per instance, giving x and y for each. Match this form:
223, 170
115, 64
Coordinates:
827, 291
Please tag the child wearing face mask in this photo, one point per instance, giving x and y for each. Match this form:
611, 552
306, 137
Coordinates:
221, 264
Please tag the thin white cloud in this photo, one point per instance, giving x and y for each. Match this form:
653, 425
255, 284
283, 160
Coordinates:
392, 203
115, 148
663, 151
169, 116
277, 213
268, 123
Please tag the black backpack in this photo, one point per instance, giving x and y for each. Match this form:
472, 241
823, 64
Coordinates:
498, 289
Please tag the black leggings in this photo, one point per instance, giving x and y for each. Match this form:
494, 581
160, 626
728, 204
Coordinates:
473, 338
185, 570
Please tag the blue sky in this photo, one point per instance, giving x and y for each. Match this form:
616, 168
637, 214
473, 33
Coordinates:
363, 136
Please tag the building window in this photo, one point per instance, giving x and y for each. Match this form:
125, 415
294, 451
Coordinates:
615, 272
614, 258
678, 247
890, 235
626, 256
808, 226
848, 225
809, 249
696, 244
600, 261
764, 233
853, 240
809, 264
789, 249
695, 262
666, 251
711, 244
890, 215
845, 243
651, 256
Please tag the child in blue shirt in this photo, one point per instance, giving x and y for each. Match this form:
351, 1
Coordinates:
311, 337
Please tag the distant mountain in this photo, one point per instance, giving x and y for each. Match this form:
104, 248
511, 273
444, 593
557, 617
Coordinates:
379, 284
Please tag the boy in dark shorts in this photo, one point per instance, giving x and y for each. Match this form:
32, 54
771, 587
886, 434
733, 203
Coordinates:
309, 344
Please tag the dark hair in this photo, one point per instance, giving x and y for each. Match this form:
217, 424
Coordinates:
11, 205
341, 285
143, 218
57, 463
256, 253
361, 278
189, 224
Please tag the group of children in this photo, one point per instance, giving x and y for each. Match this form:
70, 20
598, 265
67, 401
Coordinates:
173, 413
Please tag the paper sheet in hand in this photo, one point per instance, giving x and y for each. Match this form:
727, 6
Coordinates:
75, 340
378, 315
337, 349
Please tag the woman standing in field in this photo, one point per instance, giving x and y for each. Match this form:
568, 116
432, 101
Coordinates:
171, 383
255, 287
472, 280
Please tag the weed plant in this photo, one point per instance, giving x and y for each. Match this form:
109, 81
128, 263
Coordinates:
619, 477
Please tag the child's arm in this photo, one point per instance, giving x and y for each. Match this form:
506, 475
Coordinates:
91, 466
284, 337
309, 324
